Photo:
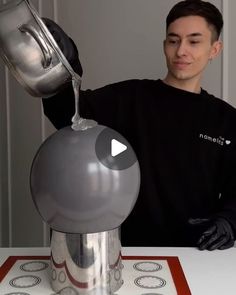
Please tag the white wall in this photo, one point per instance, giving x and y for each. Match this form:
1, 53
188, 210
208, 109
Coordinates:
117, 40
22, 129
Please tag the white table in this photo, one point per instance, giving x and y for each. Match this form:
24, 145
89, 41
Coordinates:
207, 273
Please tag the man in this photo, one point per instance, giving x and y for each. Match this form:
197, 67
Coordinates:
184, 138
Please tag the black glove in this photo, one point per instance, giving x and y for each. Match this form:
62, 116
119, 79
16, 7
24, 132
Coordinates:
66, 45
217, 233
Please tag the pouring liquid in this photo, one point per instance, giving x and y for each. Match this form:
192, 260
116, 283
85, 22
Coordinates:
76, 119
79, 123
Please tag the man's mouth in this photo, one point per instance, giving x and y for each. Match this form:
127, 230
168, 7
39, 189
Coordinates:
181, 64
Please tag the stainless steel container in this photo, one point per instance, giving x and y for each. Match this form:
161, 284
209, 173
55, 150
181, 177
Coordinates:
88, 264
29, 50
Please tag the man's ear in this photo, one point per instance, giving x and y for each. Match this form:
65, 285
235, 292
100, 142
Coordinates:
216, 49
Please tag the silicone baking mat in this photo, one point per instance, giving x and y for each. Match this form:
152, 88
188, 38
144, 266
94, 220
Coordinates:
142, 275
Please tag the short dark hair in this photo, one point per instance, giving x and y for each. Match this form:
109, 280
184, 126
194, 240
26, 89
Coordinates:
205, 9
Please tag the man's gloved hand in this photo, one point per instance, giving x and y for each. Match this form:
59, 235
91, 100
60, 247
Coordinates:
217, 233
66, 44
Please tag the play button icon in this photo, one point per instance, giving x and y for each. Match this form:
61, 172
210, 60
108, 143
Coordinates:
113, 150
117, 147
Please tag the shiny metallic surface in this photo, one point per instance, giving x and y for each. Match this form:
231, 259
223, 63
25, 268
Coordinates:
30, 52
88, 264
73, 191
30, 29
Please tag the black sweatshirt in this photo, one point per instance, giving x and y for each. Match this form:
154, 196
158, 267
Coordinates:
186, 147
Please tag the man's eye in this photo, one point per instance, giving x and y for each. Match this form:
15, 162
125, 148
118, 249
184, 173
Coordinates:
194, 41
173, 41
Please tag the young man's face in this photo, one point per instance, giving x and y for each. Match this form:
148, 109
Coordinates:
188, 48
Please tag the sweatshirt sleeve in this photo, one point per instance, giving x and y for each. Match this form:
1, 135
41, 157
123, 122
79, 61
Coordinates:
60, 108
102, 105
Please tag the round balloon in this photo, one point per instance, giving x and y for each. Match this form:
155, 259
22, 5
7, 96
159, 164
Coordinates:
85, 181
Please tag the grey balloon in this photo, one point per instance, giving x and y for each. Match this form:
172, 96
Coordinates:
74, 191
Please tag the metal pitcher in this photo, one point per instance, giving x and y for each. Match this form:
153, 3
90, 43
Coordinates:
29, 50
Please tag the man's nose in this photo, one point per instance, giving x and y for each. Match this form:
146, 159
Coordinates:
182, 49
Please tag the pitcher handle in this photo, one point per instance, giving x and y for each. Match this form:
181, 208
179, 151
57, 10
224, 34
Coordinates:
30, 29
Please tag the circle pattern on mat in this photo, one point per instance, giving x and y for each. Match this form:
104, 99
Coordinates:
66, 291
34, 266
117, 275
147, 266
149, 282
54, 275
25, 281
62, 277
